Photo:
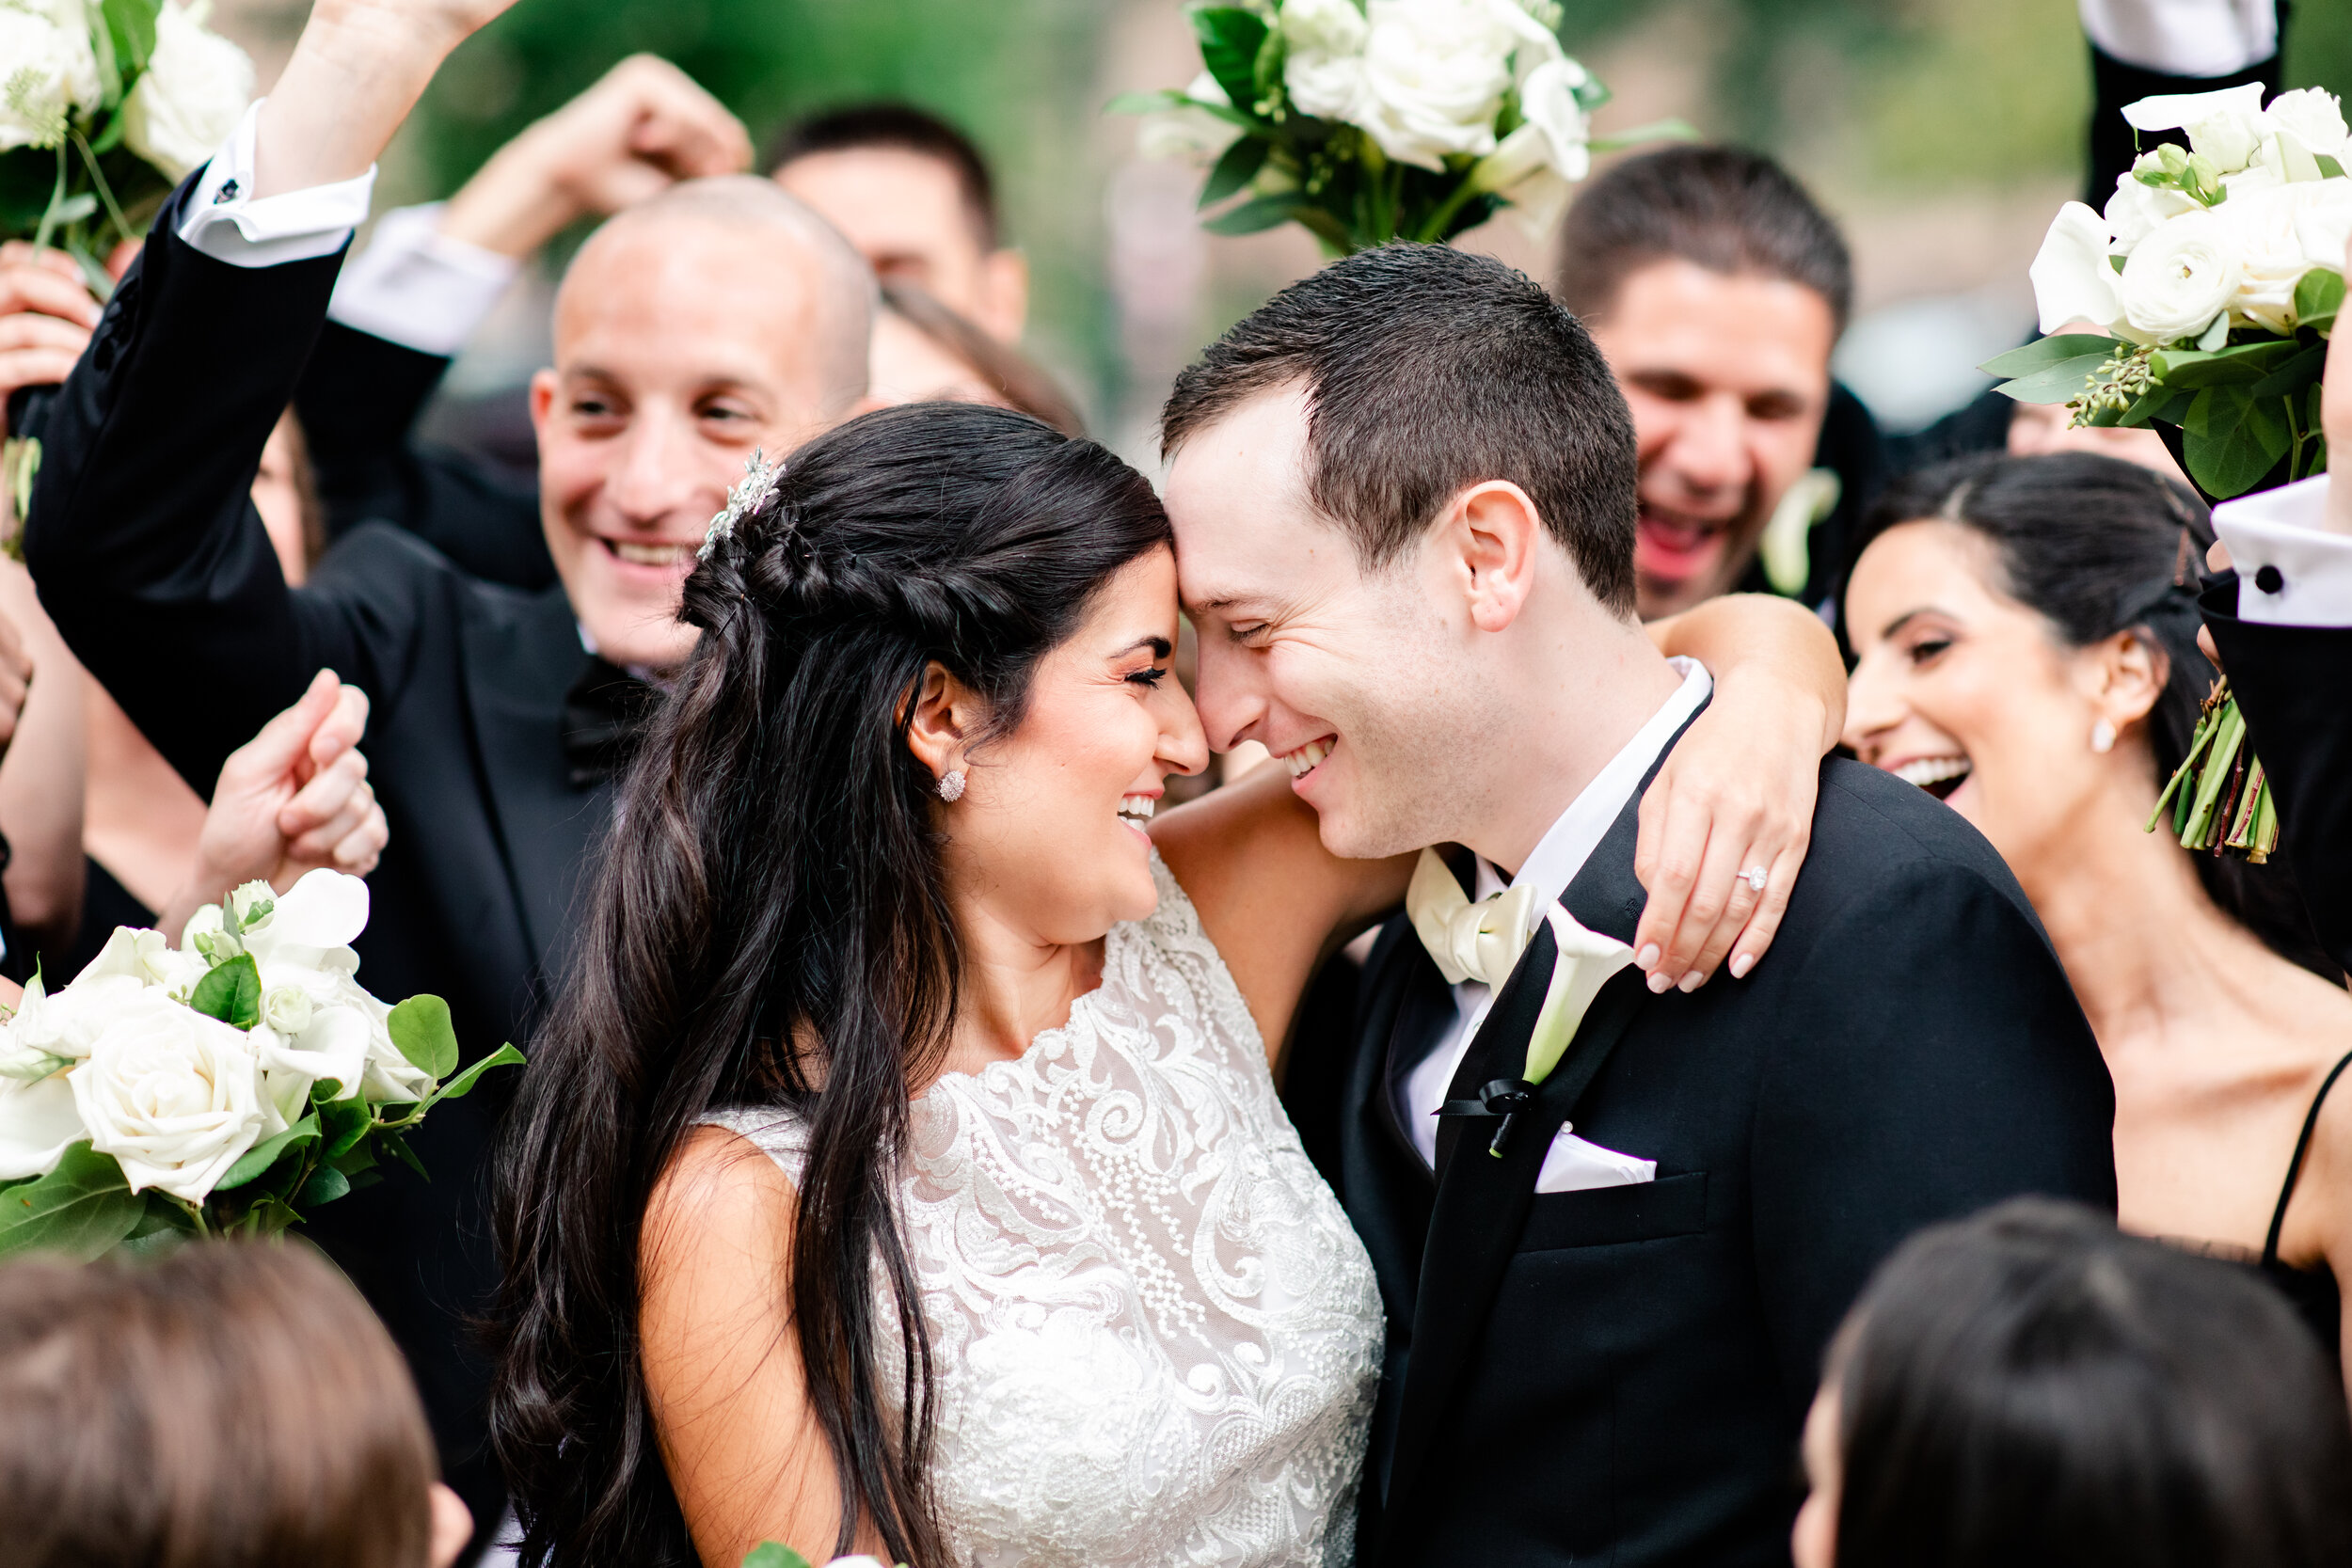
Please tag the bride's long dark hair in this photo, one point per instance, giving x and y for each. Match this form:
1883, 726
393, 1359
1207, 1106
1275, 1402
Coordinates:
773, 877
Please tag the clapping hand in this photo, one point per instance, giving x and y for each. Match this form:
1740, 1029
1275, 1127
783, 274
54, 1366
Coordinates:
46, 317
644, 126
292, 799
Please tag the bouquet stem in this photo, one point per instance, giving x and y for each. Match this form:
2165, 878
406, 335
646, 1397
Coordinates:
2220, 794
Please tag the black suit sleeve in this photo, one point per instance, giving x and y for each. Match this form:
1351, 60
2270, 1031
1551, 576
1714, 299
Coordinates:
1949, 1067
359, 399
142, 535
2114, 82
2294, 683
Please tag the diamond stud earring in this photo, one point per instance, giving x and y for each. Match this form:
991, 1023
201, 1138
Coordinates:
951, 785
2102, 737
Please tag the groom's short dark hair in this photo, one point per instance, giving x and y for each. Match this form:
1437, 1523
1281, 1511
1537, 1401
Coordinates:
1428, 370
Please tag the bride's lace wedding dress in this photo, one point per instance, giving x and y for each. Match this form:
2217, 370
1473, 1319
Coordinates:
1156, 1337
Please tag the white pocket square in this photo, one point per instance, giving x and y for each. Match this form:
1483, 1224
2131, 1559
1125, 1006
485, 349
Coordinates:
1574, 1165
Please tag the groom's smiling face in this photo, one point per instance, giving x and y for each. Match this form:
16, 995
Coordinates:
1353, 679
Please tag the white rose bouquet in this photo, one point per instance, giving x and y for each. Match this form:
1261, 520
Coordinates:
1371, 120
2212, 280
229, 1086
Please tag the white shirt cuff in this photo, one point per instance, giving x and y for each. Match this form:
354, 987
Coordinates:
224, 221
2185, 37
2293, 570
416, 286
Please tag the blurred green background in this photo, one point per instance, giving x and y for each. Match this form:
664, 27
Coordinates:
1943, 131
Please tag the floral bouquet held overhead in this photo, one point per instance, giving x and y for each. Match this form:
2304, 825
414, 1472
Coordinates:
2210, 284
1396, 119
225, 1087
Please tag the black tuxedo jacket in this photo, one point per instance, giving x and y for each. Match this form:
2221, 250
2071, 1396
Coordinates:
1620, 1375
2294, 683
147, 552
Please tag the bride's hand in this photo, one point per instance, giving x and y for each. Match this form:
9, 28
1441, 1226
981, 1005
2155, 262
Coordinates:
1738, 792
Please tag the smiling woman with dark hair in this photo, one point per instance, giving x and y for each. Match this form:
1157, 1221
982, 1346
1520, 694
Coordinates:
2027, 634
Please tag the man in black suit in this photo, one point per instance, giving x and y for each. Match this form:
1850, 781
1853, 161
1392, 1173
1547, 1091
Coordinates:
1404, 494
715, 319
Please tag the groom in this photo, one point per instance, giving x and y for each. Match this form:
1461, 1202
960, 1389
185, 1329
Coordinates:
1403, 500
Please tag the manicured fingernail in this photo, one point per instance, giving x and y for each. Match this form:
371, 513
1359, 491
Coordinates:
1660, 983
1693, 981
1647, 957
1741, 964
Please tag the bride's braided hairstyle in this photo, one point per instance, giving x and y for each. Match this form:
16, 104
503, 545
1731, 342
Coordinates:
769, 928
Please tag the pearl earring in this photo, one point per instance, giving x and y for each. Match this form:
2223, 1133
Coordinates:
2101, 736
951, 785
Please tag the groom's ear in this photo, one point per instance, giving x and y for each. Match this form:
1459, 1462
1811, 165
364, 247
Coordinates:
1490, 536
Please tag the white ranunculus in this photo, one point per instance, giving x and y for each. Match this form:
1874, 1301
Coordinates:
37, 1123
2180, 278
2135, 208
1434, 73
1324, 26
174, 1096
1188, 133
195, 90
1322, 69
2312, 116
2270, 255
2226, 126
47, 69
2071, 279
2323, 223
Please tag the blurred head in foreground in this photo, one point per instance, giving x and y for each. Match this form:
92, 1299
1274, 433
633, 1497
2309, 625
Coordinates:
2031, 1388
232, 1405
1717, 288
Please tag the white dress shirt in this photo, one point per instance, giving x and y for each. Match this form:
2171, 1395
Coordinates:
2293, 570
413, 285
2185, 37
1553, 864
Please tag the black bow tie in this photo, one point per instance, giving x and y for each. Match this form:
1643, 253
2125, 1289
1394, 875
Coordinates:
604, 713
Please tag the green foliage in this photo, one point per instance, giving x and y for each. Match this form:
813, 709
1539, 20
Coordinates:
772, 1554
506, 1055
2051, 369
1231, 40
81, 1209
422, 1029
291, 1146
230, 993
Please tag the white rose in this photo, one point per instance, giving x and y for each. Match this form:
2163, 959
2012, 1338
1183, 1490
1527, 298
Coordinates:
47, 69
195, 90
2180, 278
2323, 223
175, 1097
2312, 116
2134, 208
1434, 73
37, 1123
1188, 133
2226, 126
2071, 279
1322, 69
2270, 255
1324, 27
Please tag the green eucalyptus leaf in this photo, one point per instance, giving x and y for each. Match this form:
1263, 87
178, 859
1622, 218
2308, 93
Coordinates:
341, 1124
131, 29
2299, 372
397, 1147
420, 1027
326, 1185
165, 1224
1146, 103
1254, 215
2318, 295
506, 1055
256, 1162
2328, 167
2056, 384
1268, 68
230, 993
1237, 168
1672, 129
2043, 353
2240, 364
83, 1208
1230, 37
2231, 441
772, 1554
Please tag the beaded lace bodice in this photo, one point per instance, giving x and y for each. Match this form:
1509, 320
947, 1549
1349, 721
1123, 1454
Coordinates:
1156, 1337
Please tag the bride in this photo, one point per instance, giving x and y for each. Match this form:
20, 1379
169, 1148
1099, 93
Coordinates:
902, 1168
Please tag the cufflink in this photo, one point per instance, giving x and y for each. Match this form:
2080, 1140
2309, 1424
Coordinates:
227, 192
2269, 580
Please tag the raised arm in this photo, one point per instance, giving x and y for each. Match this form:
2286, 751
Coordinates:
1739, 791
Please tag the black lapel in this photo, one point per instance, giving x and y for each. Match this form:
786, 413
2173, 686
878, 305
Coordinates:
1424, 1013
1483, 1201
520, 664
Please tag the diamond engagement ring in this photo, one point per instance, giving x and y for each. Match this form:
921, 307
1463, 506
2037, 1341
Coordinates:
1755, 877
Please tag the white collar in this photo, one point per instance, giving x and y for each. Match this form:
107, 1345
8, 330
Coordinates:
1564, 847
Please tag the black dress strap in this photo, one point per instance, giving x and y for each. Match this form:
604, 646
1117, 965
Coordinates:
2295, 1167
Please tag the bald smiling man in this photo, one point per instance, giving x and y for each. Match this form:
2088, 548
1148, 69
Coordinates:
712, 319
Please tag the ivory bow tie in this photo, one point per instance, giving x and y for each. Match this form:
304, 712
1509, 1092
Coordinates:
1471, 941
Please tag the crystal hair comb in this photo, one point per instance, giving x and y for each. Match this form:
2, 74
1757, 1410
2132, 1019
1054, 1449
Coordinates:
758, 483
